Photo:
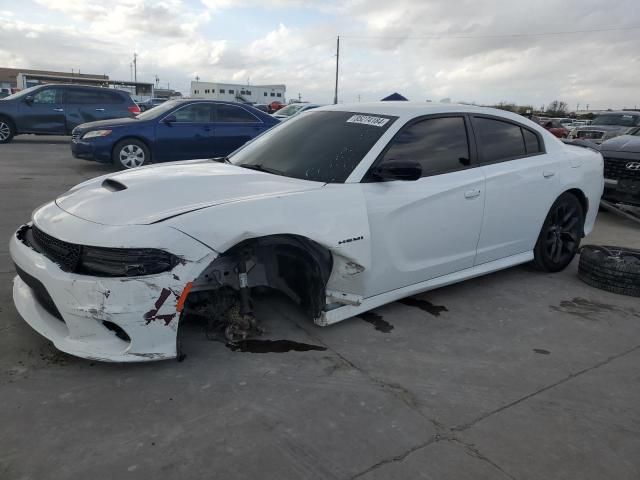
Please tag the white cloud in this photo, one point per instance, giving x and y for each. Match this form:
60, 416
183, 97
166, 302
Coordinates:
413, 46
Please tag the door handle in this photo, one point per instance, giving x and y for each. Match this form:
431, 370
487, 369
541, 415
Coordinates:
472, 193
58, 110
99, 109
548, 173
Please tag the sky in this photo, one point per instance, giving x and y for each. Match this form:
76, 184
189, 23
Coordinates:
482, 51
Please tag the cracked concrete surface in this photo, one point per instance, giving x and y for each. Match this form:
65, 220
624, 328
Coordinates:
523, 376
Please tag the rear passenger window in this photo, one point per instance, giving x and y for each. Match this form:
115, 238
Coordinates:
91, 97
498, 140
531, 141
231, 114
439, 144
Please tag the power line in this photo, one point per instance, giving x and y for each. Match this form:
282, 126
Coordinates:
503, 35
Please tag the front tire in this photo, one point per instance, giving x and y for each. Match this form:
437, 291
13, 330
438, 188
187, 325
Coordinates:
7, 130
560, 235
130, 153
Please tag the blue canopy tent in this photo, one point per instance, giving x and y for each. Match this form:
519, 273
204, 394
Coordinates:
394, 97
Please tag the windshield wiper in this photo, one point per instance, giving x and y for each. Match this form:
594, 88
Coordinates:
260, 168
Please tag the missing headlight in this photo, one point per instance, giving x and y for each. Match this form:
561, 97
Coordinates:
125, 262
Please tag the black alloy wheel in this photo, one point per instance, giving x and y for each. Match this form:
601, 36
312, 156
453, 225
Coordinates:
560, 236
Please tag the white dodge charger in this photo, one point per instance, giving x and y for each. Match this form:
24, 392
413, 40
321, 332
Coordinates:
343, 209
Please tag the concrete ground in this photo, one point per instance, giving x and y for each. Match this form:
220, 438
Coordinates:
516, 375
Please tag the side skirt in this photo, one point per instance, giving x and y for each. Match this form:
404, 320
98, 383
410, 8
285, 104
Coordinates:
348, 311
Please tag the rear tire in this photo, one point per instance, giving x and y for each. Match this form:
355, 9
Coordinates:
7, 130
560, 235
130, 153
614, 269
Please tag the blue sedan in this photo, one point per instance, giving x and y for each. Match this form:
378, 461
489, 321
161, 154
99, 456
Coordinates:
175, 130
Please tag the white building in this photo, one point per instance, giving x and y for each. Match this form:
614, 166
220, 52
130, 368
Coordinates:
234, 92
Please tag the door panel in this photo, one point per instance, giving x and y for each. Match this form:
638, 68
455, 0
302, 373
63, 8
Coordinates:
519, 191
423, 229
90, 105
234, 127
45, 115
519, 194
188, 137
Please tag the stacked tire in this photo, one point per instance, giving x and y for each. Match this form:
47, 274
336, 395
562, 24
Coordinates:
614, 269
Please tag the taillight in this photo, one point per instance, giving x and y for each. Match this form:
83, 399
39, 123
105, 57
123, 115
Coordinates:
135, 109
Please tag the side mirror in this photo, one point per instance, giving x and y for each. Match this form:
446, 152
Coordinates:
398, 170
169, 119
28, 99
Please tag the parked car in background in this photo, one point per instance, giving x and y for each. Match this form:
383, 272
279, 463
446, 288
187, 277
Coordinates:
607, 125
556, 128
150, 103
56, 109
275, 106
622, 168
261, 106
294, 109
379, 201
175, 130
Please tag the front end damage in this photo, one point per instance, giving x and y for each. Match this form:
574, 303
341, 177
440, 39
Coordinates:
136, 318
109, 318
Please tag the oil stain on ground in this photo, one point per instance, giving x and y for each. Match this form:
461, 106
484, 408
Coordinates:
542, 351
590, 310
271, 346
379, 323
424, 305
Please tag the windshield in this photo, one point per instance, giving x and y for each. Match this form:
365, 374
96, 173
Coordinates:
157, 111
21, 93
618, 119
318, 146
289, 110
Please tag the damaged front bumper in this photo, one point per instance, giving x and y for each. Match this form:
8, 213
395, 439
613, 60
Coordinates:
118, 319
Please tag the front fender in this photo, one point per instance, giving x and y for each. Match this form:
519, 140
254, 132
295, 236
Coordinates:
334, 216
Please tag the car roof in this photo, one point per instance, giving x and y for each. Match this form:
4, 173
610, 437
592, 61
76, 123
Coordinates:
404, 109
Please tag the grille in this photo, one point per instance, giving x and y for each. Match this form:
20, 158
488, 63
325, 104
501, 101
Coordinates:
75, 137
589, 134
616, 169
40, 292
65, 254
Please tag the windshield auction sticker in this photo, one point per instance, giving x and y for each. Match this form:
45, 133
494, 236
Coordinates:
368, 120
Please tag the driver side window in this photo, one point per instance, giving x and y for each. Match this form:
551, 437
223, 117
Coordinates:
439, 145
48, 96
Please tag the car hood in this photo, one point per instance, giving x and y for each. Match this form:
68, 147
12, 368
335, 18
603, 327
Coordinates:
151, 194
623, 143
113, 123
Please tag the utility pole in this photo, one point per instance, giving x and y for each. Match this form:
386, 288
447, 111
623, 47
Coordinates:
335, 97
358, 98
299, 97
587, 107
135, 67
157, 80
131, 71
577, 107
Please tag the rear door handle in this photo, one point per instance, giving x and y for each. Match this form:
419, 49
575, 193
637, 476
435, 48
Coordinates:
471, 193
58, 110
99, 109
548, 173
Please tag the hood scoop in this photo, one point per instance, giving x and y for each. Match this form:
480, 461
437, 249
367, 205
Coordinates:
113, 185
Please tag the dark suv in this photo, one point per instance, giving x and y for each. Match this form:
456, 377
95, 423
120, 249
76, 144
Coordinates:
57, 109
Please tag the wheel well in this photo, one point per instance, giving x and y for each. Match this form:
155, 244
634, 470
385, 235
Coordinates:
295, 265
9, 119
133, 137
584, 202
